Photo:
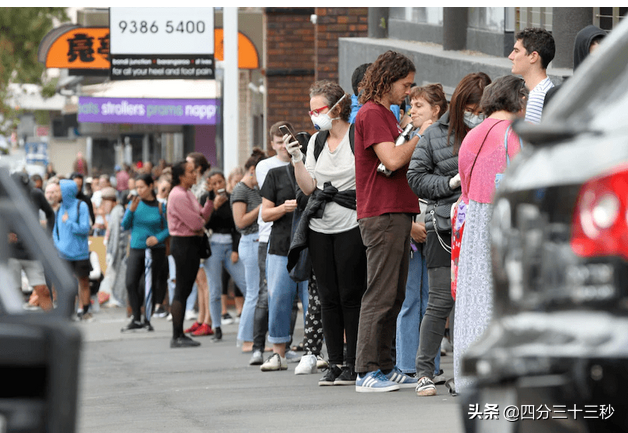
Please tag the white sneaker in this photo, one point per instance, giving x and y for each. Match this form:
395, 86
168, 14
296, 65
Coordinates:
274, 363
307, 365
190, 315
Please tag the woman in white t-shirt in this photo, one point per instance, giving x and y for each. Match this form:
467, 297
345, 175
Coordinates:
334, 240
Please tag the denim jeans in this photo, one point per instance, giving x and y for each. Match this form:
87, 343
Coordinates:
281, 293
221, 256
411, 315
439, 306
249, 251
260, 319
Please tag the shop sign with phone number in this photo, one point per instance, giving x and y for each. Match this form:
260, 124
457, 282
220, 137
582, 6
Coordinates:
164, 31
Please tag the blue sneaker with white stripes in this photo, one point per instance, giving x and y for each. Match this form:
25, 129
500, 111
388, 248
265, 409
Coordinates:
402, 379
374, 381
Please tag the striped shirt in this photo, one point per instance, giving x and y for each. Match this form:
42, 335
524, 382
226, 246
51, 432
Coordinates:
534, 109
252, 198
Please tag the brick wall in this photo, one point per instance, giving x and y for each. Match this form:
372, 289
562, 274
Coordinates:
288, 65
297, 53
331, 24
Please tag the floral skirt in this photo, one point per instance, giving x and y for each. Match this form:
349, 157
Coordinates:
474, 294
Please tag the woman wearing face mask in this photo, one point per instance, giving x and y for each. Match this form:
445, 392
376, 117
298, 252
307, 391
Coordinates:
334, 240
433, 175
484, 155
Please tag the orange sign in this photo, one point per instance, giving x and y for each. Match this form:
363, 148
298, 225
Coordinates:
247, 54
88, 48
80, 48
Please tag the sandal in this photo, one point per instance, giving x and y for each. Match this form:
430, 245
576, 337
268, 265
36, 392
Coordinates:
299, 348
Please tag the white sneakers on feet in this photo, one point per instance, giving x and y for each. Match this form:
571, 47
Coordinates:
307, 365
274, 363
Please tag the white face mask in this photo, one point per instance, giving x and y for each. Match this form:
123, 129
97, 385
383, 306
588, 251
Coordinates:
323, 122
473, 120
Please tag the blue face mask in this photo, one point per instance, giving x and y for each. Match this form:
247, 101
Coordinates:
473, 120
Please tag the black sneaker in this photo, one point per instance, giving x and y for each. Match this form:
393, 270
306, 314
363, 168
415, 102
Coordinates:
330, 377
183, 341
347, 376
217, 335
148, 326
133, 325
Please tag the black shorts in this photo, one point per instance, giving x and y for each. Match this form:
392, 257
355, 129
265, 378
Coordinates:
80, 268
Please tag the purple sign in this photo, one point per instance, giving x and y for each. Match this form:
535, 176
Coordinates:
152, 111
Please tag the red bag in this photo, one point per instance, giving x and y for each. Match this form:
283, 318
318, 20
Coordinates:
459, 212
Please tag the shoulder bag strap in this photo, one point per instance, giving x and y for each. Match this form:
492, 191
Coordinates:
480, 149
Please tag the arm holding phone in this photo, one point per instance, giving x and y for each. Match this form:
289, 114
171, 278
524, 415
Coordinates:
306, 182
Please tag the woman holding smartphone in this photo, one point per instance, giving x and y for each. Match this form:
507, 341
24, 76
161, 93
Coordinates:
186, 219
335, 243
224, 241
146, 218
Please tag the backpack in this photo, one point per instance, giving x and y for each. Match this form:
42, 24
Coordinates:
321, 138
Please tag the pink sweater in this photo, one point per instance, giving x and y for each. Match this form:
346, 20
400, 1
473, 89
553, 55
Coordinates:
491, 160
185, 216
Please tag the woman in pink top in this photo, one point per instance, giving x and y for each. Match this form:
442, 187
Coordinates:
484, 155
186, 221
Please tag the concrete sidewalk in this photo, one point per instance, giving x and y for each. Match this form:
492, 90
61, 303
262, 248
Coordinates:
136, 383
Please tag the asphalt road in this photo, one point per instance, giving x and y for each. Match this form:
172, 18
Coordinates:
136, 383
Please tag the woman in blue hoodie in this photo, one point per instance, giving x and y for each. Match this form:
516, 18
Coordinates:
72, 225
146, 218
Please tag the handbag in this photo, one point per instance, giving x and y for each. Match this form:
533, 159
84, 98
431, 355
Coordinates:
204, 250
303, 268
438, 217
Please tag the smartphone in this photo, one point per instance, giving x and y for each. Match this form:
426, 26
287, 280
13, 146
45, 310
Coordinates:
286, 130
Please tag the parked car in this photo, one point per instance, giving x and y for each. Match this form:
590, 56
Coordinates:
555, 356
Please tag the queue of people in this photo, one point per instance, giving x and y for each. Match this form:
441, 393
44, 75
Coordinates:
369, 198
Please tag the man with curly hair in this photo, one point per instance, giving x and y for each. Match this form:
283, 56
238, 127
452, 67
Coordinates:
530, 56
385, 207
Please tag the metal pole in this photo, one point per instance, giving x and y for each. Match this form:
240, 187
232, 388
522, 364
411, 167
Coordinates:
231, 98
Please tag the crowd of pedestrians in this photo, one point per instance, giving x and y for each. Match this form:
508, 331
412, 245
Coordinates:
387, 206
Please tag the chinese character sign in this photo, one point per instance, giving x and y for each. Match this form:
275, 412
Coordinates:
80, 48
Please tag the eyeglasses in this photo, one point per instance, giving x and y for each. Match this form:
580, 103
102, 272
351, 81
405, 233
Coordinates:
317, 111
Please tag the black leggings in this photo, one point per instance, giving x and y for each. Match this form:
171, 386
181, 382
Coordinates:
339, 262
184, 249
135, 271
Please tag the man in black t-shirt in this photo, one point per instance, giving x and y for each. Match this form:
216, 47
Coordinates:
278, 204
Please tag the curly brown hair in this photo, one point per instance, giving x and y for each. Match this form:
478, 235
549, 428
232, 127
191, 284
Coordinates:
383, 72
332, 92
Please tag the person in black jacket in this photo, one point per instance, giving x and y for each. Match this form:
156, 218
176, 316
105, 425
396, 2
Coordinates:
224, 241
587, 40
433, 175
20, 258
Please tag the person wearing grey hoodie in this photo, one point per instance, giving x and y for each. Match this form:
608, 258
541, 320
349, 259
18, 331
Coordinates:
70, 236
587, 40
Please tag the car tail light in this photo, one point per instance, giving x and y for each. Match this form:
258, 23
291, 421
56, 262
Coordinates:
600, 220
